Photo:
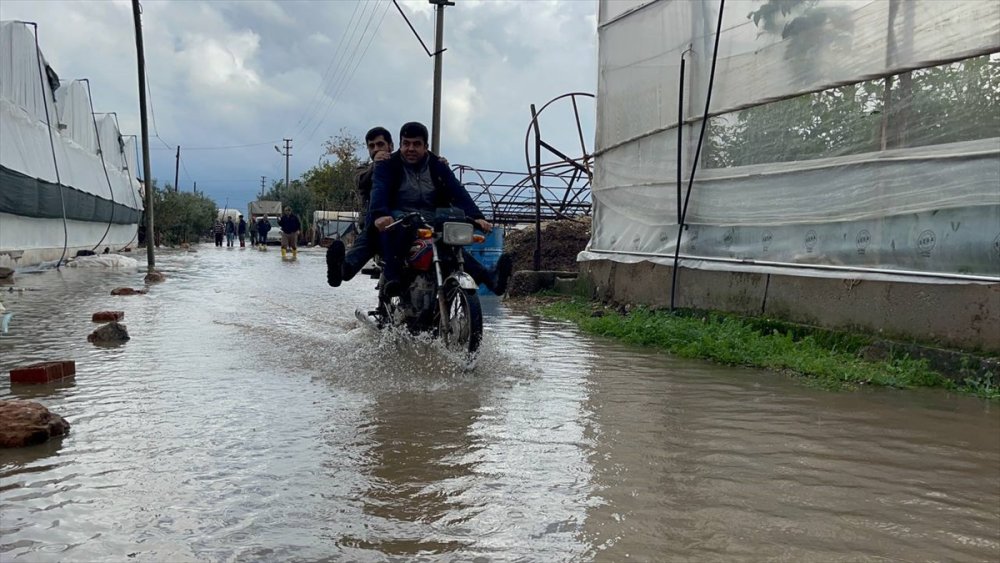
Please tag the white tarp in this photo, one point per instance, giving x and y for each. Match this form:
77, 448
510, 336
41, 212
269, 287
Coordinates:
640, 53
65, 154
113, 261
22, 75
812, 159
76, 119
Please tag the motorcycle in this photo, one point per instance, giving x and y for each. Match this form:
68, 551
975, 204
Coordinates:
438, 296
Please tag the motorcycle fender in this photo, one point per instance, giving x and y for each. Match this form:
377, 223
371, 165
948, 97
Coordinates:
465, 281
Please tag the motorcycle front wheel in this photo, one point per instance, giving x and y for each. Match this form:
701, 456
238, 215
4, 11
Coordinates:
462, 330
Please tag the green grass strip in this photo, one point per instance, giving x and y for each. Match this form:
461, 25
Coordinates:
827, 362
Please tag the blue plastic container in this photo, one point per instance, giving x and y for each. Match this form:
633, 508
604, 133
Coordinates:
488, 252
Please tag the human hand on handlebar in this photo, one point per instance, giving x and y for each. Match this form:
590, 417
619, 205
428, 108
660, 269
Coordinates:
484, 225
382, 222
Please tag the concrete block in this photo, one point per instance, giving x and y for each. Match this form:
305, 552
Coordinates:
108, 316
43, 372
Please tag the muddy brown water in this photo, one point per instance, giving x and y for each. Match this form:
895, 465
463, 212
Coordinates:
250, 418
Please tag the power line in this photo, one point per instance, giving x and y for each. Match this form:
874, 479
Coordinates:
354, 40
152, 115
326, 73
344, 82
186, 173
222, 147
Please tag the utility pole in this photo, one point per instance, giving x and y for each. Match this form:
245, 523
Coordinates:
262, 178
196, 187
146, 176
177, 168
287, 154
438, 53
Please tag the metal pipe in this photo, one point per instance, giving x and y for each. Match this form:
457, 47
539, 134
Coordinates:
537, 263
697, 154
794, 266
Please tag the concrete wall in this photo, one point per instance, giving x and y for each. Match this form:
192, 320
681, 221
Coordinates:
963, 316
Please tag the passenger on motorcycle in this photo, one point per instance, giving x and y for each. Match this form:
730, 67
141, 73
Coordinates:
414, 179
341, 264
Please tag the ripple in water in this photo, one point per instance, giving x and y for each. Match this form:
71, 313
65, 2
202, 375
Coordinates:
252, 418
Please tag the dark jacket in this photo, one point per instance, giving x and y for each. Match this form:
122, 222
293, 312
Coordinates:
230, 227
242, 227
262, 228
289, 223
388, 177
363, 185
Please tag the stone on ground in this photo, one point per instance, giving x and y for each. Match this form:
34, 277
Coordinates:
111, 333
27, 423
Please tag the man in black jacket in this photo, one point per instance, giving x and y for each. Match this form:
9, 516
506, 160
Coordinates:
241, 231
414, 179
341, 267
290, 227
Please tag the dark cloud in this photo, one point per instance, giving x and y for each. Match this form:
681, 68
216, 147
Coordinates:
232, 73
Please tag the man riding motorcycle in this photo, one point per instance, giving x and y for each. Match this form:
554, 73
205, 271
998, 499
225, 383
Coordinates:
414, 179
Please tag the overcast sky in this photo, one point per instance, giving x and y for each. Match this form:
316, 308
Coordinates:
252, 72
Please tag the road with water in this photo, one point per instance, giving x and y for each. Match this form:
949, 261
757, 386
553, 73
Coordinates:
251, 418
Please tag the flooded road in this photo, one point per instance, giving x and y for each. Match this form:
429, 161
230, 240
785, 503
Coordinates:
250, 418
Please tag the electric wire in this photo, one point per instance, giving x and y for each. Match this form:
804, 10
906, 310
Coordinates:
334, 69
354, 40
371, 39
340, 65
52, 145
350, 75
326, 73
219, 147
346, 78
104, 165
132, 176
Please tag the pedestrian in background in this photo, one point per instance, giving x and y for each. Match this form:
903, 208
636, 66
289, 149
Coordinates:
241, 231
218, 229
290, 227
230, 231
263, 226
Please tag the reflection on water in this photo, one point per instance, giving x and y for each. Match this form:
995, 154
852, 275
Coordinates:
251, 418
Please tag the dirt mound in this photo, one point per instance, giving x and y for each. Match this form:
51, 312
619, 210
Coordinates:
561, 242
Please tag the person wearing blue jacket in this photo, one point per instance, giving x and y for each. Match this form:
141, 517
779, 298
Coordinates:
414, 179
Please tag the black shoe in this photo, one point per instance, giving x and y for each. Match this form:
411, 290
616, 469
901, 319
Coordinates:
335, 263
392, 288
504, 268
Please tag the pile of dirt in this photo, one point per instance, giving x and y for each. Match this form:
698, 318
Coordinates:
561, 242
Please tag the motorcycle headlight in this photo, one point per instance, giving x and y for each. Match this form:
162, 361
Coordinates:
457, 234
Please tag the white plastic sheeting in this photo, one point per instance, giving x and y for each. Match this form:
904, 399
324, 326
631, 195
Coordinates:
21, 71
75, 117
640, 53
897, 175
113, 261
47, 238
26, 150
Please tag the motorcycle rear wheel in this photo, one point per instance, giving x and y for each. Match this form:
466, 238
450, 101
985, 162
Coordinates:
462, 330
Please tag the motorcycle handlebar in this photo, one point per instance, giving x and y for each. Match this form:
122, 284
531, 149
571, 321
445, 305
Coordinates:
422, 221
